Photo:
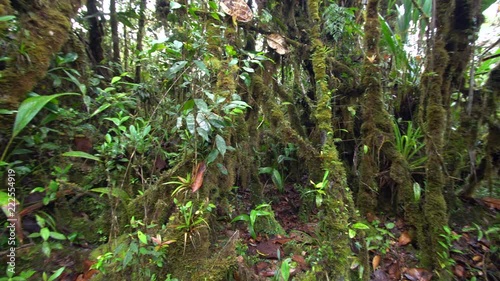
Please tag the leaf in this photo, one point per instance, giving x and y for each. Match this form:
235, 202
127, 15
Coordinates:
278, 43
198, 176
404, 239
30, 107
201, 65
222, 169
238, 9
212, 156
242, 217
174, 5
142, 237
360, 225
7, 18
116, 192
57, 235
56, 274
190, 123
221, 144
81, 154
116, 79
376, 262
45, 233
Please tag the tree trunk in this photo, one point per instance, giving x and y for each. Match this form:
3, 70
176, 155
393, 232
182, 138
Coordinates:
114, 33
140, 35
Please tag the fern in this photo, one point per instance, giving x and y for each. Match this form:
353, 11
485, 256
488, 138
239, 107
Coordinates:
336, 19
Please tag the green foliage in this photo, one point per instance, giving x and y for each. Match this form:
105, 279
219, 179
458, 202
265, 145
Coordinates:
410, 144
28, 109
446, 241
140, 253
337, 20
278, 167
47, 230
320, 189
192, 218
261, 210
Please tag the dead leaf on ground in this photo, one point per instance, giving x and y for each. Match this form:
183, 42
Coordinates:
459, 271
418, 274
492, 203
278, 43
404, 239
376, 262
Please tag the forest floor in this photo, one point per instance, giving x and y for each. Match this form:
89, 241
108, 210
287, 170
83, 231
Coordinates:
473, 256
474, 251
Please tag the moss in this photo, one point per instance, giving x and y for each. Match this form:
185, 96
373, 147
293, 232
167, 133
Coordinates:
45, 32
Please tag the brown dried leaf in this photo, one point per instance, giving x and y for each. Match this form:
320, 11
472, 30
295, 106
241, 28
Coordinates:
376, 261
238, 9
404, 239
278, 43
418, 274
198, 176
459, 271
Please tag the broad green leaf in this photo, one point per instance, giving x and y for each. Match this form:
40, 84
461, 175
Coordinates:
56, 274
202, 121
360, 225
188, 106
201, 65
201, 104
212, 156
243, 217
57, 235
116, 79
202, 133
221, 144
45, 233
190, 123
248, 69
352, 233
7, 18
174, 5
46, 248
100, 109
30, 107
178, 66
142, 237
116, 192
81, 154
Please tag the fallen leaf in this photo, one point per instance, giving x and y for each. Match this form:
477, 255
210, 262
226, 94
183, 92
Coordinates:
477, 258
404, 239
376, 262
278, 43
198, 176
459, 271
492, 203
418, 274
83, 143
380, 275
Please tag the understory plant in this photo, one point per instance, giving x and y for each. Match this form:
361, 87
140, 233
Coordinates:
261, 210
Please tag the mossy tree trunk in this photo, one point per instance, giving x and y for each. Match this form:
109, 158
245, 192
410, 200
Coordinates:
338, 208
43, 29
434, 117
